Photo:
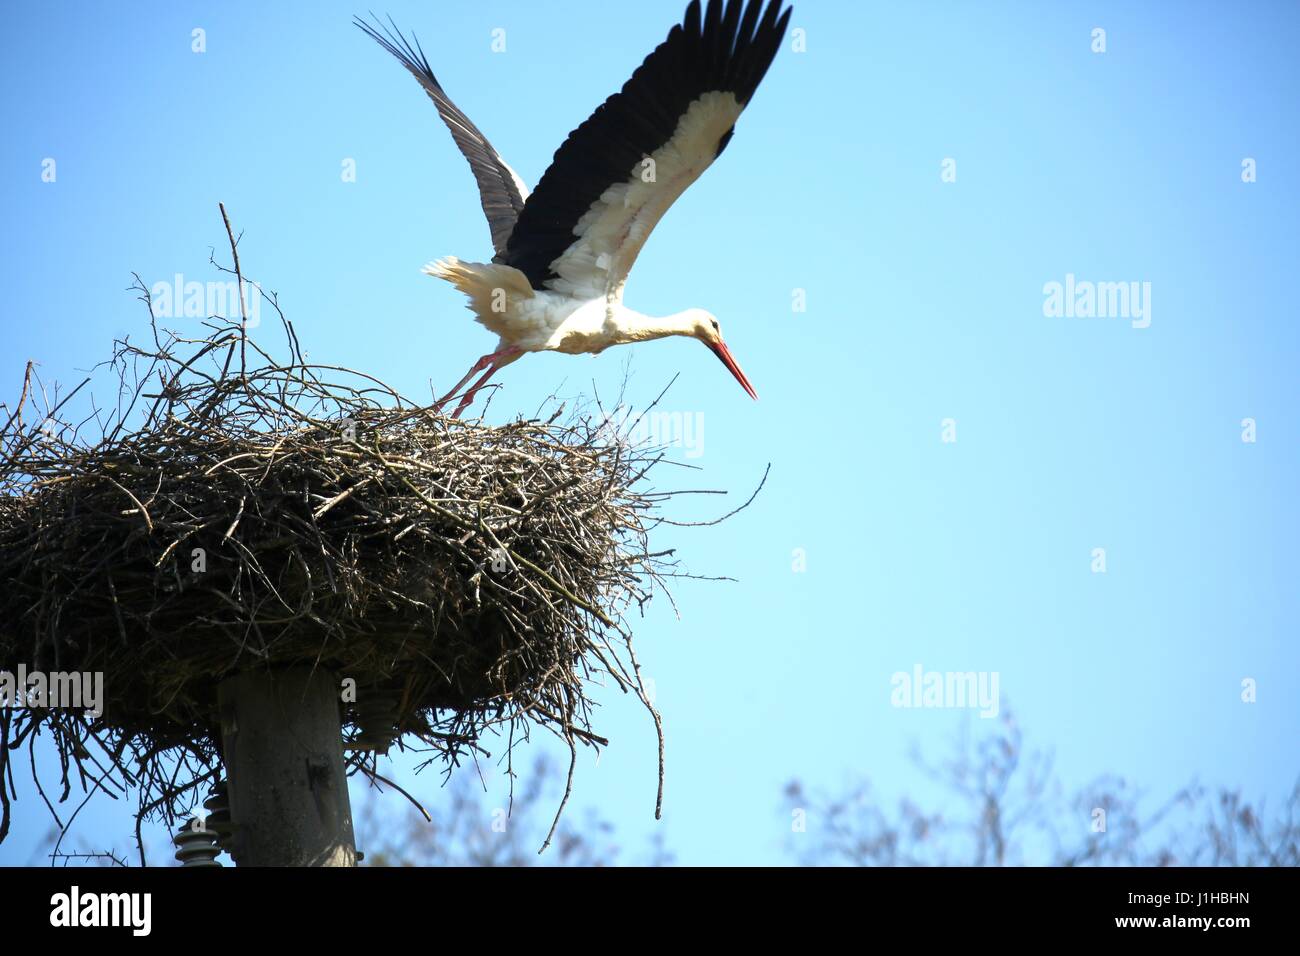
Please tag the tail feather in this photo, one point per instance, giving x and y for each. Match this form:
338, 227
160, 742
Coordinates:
489, 286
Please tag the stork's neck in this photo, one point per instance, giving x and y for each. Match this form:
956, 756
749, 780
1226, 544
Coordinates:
632, 326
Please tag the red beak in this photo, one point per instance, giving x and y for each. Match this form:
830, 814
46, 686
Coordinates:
721, 351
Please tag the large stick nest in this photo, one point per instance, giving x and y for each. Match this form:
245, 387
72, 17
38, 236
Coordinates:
238, 511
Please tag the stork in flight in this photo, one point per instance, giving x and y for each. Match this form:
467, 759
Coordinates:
563, 253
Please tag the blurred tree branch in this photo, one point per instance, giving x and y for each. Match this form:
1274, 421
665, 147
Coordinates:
466, 830
1010, 808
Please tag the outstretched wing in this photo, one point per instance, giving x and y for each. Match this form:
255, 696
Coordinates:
617, 174
501, 191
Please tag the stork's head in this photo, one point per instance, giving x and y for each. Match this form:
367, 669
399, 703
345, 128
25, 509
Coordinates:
705, 327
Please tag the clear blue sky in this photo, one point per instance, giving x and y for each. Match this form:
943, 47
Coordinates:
925, 302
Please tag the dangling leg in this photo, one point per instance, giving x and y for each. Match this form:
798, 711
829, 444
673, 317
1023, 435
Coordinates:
500, 360
477, 367
487, 360
469, 396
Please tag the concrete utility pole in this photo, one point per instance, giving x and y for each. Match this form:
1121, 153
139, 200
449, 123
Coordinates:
283, 747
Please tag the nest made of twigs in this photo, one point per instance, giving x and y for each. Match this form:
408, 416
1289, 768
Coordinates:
237, 511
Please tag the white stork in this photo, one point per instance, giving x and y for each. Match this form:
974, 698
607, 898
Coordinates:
563, 253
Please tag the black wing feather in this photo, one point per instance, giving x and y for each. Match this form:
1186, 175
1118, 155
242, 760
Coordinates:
501, 195
722, 51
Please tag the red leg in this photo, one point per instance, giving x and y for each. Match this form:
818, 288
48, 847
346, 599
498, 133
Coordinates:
494, 362
477, 367
469, 396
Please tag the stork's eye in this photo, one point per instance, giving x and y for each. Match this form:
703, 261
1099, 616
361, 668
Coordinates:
714, 323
